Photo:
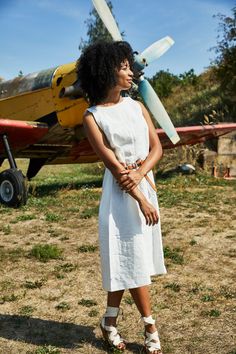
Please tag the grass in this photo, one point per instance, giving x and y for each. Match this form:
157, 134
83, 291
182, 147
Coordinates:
50, 266
45, 252
63, 306
87, 249
26, 310
33, 284
174, 255
87, 302
46, 350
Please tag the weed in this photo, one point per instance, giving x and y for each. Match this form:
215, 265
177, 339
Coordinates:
88, 213
227, 293
230, 236
129, 300
33, 284
206, 298
25, 217
196, 288
173, 286
93, 313
63, 306
173, 255
66, 268
12, 254
45, 252
59, 275
211, 313
26, 310
47, 350
6, 285
193, 242
64, 238
53, 233
51, 217
8, 298
6, 229
87, 248
87, 302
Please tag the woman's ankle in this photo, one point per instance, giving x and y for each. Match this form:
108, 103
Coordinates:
110, 321
151, 328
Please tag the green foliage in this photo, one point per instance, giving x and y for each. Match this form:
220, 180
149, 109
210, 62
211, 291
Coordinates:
45, 252
47, 350
33, 284
207, 298
87, 248
173, 286
163, 83
95, 29
8, 298
207, 98
26, 310
211, 313
63, 306
93, 313
189, 78
87, 302
225, 62
173, 255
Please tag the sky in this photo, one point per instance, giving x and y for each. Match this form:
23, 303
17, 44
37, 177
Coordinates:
41, 34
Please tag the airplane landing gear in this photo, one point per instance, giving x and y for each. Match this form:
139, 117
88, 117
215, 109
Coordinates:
13, 185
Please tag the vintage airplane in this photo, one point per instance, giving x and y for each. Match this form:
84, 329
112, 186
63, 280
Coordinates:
41, 118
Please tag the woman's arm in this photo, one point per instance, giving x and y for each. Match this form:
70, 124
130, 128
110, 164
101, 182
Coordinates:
101, 146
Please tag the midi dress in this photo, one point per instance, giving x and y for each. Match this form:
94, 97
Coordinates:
130, 251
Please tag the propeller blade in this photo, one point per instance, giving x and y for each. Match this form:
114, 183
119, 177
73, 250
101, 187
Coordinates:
107, 18
156, 107
157, 49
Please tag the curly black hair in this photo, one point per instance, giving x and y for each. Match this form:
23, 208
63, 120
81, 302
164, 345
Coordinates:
96, 67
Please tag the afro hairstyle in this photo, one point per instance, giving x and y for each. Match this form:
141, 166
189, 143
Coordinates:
96, 68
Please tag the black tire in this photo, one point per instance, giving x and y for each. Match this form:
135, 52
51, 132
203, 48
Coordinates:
13, 188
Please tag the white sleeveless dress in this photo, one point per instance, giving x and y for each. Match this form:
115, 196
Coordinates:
130, 250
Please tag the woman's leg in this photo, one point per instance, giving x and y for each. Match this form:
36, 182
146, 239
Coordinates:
113, 299
142, 301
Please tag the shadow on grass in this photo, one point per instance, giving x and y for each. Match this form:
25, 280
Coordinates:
167, 174
53, 188
46, 332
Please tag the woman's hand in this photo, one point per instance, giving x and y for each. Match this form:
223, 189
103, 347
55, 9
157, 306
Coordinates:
129, 179
149, 212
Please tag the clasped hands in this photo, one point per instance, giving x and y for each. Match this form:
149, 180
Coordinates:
129, 179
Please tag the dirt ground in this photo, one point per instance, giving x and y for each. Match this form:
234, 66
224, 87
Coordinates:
54, 306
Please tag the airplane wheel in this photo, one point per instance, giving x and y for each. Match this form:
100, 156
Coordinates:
13, 188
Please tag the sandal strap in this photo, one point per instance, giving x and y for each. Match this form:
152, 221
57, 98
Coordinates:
112, 333
111, 311
152, 341
148, 320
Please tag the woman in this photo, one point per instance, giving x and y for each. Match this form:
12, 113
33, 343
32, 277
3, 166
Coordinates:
123, 136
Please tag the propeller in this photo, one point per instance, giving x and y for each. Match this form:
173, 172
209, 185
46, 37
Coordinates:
150, 54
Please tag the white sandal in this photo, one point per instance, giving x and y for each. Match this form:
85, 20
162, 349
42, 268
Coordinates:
110, 333
152, 341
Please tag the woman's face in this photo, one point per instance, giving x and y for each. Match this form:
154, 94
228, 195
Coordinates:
124, 76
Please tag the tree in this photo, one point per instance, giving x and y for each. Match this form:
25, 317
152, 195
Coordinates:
163, 83
189, 78
96, 29
225, 62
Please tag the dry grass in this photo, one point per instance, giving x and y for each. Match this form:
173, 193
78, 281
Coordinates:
54, 306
